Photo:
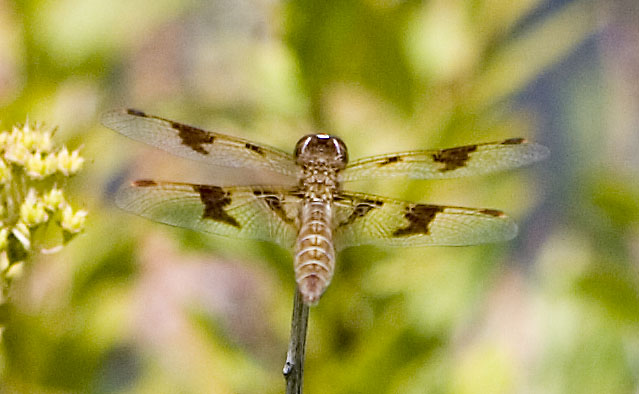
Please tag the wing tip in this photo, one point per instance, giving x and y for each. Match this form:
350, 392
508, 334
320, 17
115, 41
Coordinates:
510, 231
110, 117
538, 151
508, 228
123, 197
542, 151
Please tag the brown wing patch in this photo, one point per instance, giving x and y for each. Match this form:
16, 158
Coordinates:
360, 211
362, 208
492, 212
144, 183
419, 217
275, 204
453, 158
215, 199
135, 112
514, 141
390, 160
254, 148
377, 203
193, 137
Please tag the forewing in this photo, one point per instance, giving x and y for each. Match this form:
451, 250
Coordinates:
197, 144
448, 163
364, 219
261, 213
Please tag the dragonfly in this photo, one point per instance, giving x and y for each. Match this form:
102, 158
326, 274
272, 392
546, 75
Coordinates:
310, 213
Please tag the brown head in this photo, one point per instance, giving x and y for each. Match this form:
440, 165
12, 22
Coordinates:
321, 148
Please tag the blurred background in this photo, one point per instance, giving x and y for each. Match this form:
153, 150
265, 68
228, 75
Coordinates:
132, 306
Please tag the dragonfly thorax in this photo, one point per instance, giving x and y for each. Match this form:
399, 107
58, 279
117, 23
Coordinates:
323, 150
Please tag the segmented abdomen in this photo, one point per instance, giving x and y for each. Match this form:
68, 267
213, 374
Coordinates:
314, 252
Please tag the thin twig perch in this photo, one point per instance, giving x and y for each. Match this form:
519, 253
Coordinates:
294, 367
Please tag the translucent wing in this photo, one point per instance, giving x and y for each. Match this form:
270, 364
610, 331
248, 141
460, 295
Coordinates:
447, 163
364, 219
197, 144
261, 213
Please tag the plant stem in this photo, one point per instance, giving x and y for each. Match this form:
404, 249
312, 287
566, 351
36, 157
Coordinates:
294, 367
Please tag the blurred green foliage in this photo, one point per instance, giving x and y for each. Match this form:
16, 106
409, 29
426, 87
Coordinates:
136, 307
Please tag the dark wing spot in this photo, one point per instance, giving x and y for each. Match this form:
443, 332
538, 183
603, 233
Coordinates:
275, 204
360, 210
514, 141
419, 218
215, 199
453, 158
296, 192
492, 212
393, 159
379, 203
254, 148
193, 137
263, 192
135, 112
144, 183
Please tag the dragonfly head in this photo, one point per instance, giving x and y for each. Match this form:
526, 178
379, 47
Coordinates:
321, 148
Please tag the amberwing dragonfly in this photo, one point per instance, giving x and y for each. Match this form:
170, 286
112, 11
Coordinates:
312, 214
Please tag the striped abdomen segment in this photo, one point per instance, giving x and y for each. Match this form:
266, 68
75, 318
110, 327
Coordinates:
314, 252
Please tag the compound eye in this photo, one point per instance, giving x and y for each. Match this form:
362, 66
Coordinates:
321, 147
302, 144
341, 154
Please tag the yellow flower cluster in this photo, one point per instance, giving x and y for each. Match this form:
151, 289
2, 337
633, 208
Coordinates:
32, 148
32, 172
